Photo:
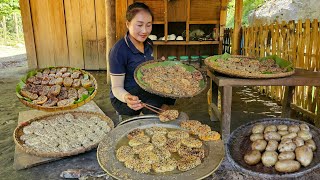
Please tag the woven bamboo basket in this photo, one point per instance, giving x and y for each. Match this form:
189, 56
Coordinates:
149, 89
18, 132
239, 144
72, 106
242, 73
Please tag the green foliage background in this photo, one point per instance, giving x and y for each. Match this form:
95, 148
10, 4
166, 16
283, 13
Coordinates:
9, 9
248, 6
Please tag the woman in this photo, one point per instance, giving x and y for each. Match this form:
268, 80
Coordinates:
128, 53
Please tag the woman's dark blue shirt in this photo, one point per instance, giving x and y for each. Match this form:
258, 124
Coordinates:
124, 57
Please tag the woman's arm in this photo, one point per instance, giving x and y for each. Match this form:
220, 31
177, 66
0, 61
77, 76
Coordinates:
117, 86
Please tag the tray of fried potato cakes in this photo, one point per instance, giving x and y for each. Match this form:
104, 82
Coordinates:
170, 79
56, 88
150, 149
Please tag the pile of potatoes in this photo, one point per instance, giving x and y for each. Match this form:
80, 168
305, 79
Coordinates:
286, 147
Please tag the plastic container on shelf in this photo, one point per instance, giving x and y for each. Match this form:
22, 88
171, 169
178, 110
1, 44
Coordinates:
195, 61
172, 58
202, 58
184, 59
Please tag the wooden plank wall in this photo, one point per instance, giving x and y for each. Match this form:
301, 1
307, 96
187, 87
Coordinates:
297, 42
65, 33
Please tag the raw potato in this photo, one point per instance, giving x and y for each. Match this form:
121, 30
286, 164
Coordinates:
304, 155
289, 155
259, 145
270, 128
258, 129
294, 128
255, 137
272, 145
310, 143
304, 127
298, 141
282, 133
252, 157
282, 127
287, 140
287, 147
272, 136
269, 158
287, 166
305, 135
289, 136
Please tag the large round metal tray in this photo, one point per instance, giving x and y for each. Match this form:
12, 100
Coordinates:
239, 143
138, 78
242, 73
109, 163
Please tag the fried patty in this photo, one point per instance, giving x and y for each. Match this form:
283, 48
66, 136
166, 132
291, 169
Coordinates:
156, 130
159, 139
134, 133
173, 145
178, 134
142, 147
187, 163
184, 151
191, 142
191, 125
164, 165
162, 152
124, 153
149, 157
138, 140
209, 136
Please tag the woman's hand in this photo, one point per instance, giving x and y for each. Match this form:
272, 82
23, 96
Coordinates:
133, 102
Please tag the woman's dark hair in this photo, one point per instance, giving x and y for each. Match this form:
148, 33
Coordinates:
136, 7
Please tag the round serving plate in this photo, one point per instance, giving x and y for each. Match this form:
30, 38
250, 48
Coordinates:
77, 102
242, 73
149, 64
214, 154
239, 144
18, 132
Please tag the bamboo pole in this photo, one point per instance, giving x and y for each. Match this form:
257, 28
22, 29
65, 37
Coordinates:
237, 27
110, 31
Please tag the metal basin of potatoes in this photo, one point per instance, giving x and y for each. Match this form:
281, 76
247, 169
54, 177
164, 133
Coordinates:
239, 144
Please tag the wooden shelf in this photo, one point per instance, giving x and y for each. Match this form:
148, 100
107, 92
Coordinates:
158, 22
184, 42
205, 22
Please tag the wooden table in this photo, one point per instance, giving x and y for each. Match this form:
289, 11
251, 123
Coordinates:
224, 84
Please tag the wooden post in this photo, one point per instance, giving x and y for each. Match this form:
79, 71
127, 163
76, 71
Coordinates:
28, 32
223, 19
110, 31
237, 27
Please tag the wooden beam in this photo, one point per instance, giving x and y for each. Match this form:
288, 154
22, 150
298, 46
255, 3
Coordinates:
110, 31
74, 34
28, 33
100, 6
223, 21
237, 27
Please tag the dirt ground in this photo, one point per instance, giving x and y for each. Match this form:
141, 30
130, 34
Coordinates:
247, 105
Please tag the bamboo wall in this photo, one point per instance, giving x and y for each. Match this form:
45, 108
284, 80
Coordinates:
298, 42
65, 33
